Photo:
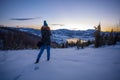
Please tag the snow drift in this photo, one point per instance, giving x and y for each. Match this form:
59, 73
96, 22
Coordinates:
65, 64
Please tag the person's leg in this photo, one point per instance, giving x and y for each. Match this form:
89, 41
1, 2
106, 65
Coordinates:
48, 53
40, 53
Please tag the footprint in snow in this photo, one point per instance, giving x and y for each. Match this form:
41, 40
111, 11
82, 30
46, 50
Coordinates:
17, 77
36, 68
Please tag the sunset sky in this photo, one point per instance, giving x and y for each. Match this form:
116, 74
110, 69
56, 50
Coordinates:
69, 14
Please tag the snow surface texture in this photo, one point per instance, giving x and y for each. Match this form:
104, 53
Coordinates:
65, 64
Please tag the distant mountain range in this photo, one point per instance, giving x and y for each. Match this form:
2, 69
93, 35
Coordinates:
61, 35
23, 38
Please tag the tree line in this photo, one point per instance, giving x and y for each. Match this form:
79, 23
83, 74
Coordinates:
102, 39
11, 38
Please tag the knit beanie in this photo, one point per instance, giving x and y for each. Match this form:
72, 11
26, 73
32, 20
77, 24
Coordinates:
45, 23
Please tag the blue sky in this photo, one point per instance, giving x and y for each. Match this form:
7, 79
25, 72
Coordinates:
69, 14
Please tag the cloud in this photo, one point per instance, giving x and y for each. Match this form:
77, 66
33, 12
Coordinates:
23, 19
57, 24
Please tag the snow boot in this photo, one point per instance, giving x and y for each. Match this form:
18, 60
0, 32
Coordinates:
37, 61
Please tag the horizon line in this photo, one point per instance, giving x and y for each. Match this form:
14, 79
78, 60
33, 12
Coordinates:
116, 29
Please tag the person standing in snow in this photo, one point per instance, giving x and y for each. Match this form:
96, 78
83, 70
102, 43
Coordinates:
46, 40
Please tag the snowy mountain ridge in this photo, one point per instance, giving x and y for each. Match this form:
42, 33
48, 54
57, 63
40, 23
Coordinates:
61, 35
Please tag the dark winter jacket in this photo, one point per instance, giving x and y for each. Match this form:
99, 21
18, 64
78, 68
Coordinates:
46, 33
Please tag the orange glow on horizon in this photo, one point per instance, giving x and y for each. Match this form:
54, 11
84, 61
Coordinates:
108, 29
103, 28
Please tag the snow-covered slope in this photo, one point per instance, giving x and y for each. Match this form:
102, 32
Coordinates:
30, 30
65, 64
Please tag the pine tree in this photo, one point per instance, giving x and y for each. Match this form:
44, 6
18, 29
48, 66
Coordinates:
97, 36
111, 38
